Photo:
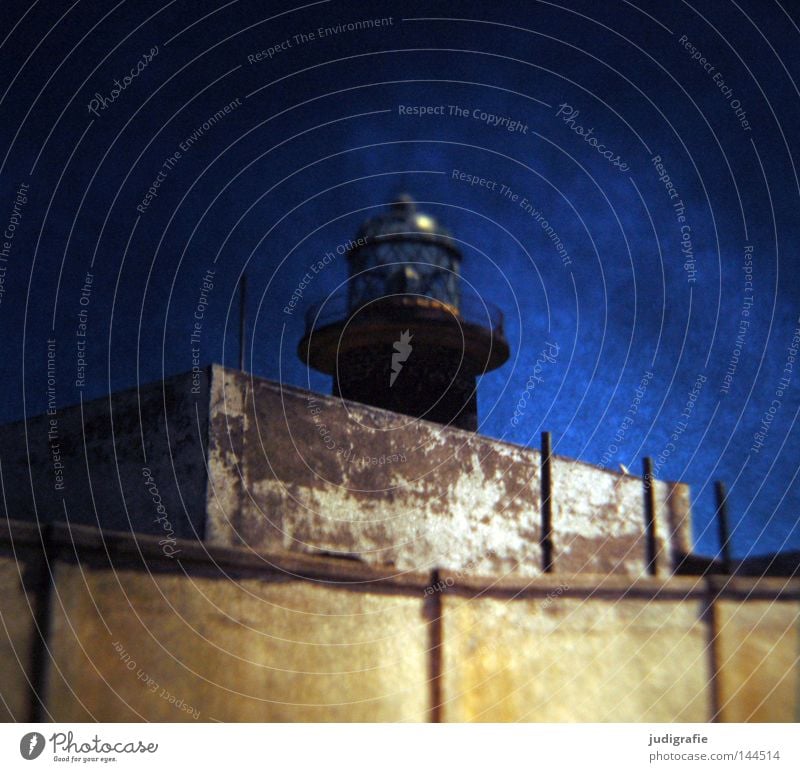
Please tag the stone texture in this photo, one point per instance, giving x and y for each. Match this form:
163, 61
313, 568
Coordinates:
319, 475
229, 634
104, 447
598, 526
241, 461
444, 497
16, 636
131, 646
559, 659
758, 645
673, 522
226, 490
599, 521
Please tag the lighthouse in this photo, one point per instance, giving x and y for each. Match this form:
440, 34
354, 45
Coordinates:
406, 335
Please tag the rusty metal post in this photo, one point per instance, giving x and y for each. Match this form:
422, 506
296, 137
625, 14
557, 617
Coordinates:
242, 319
723, 525
40, 658
649, 515
434, 613
547, 504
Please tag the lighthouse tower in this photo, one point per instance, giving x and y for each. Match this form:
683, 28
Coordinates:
406, 336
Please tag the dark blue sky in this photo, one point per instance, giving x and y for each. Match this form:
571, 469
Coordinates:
313, 142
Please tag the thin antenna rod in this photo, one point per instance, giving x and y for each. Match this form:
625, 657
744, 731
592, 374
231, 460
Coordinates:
723, 525
649, 515
242, 328
547, 504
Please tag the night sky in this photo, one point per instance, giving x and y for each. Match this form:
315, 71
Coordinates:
638, 211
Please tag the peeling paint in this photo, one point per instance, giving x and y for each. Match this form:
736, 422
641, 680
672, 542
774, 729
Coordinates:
457, 500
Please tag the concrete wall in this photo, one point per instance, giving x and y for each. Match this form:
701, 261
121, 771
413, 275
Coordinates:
17, 630
759, 659
576, 659
232, 635
238, 460
131, 646
296, 471
103, 447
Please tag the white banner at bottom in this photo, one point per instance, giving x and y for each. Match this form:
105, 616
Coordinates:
390, 747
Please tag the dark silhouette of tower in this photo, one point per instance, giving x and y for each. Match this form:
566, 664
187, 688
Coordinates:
406, 337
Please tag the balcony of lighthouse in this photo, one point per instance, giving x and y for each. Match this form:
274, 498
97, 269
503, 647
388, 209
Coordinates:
336, 325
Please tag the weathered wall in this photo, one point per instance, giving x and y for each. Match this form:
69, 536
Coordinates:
16, 640
302, 472
103, 447
599, 524
239, 460
446, 497
130, 646
759, 660
568, 659
231, 635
